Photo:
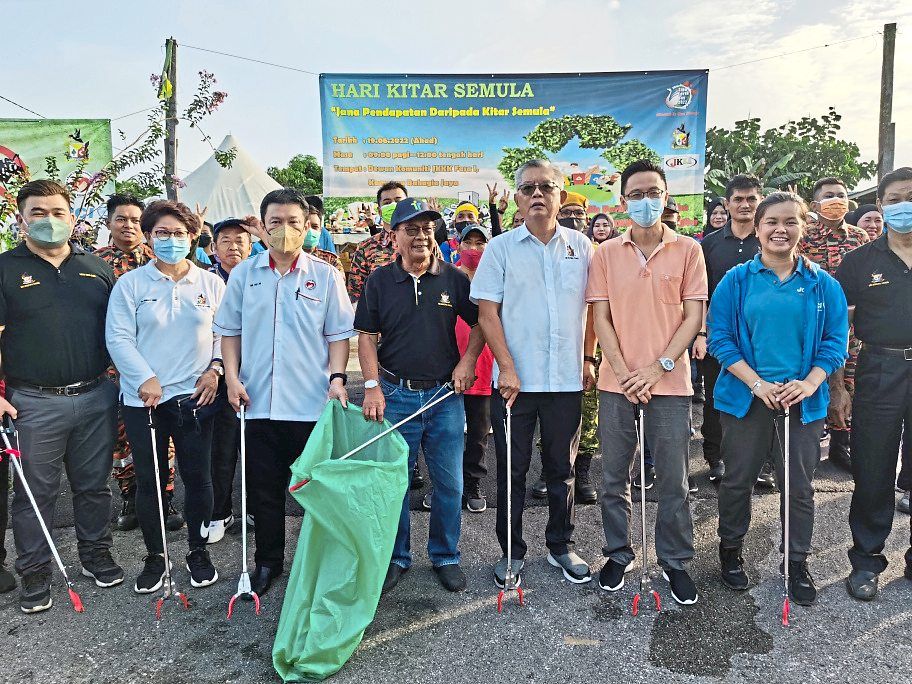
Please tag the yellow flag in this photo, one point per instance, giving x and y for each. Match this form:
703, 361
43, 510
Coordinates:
166, 88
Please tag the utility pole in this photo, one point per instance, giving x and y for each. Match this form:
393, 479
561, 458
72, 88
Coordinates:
171, 122
886, 139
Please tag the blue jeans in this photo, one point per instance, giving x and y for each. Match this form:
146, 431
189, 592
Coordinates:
439, 431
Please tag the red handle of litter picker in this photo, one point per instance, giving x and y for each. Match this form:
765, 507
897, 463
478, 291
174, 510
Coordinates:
786, 609
635, 608
75, 600
296, 487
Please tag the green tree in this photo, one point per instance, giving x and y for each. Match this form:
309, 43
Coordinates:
772, 176
594, 132
303, 172
137, 188
811, 146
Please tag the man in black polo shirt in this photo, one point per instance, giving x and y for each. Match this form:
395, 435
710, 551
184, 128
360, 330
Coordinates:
412, 305
53, 298
877, 279
724, 249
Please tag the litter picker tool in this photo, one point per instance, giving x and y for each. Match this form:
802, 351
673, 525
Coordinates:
15, 455
243, 587
786, 485
645, 581
510, 580
434, 401
170, 590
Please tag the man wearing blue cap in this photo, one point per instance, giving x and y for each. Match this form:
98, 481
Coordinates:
406, 320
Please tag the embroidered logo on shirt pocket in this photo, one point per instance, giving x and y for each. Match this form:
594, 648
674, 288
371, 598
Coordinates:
670, 288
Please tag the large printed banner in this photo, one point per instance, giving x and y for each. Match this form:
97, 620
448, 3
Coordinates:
73, 144
449, 136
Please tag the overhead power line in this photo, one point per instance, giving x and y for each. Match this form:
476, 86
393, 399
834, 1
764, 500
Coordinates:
30, 111
250, 59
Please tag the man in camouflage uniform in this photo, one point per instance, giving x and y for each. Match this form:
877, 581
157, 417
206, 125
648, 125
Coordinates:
126, 252
826, 244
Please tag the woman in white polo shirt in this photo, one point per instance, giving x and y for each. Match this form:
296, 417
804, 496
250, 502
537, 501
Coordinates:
159, 335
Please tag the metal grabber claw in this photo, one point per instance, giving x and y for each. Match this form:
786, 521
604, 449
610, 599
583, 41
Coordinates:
244, 589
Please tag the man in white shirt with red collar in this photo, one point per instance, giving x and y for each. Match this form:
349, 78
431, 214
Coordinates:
288, 316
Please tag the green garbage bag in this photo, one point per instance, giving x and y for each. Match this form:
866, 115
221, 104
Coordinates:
352, 510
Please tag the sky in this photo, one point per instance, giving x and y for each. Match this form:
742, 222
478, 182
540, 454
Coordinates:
94, 59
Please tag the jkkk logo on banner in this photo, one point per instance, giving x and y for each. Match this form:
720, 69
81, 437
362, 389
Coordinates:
681, 161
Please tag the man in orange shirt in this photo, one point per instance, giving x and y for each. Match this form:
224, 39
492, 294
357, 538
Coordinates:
647, 288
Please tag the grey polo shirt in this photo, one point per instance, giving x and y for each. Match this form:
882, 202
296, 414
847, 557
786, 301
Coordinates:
286, 323
158, 327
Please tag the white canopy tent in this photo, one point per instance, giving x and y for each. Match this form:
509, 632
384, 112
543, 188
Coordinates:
235, 191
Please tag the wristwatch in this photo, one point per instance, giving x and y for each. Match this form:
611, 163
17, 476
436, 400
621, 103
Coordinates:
590, 359
342, 376
667, 364
755, 387
702, 333
371, 384
219, 370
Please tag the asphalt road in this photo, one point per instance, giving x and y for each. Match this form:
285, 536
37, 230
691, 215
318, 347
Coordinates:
565, 633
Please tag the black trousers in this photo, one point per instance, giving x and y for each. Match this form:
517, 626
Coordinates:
882, 402
558, 415
272, 446
478, 424
192, 442
712, 427
226, 441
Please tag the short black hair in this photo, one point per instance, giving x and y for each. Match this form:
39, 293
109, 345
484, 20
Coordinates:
391, 185
284, 196
829, 180
743, 181
903, 173
316, 204
41, 188
641, 166
124, 199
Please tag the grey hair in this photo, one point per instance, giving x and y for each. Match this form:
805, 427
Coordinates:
556, 174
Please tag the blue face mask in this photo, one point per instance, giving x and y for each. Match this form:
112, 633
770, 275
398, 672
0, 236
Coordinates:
645, 212
899, 217
171, 251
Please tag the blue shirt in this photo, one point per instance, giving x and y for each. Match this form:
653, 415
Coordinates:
774, 312
541, 289
326, 241
161, 328
286, 323
824, 328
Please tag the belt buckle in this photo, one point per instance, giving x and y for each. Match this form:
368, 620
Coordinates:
907, 353
408, 385
69, 390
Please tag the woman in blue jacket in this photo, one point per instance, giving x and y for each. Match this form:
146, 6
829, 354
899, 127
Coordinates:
778, 326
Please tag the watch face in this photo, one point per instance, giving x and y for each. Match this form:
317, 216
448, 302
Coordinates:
370, 384
667, 364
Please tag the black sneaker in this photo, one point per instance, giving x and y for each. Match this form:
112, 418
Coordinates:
417, 478
767, 478
100, 566
127, 521
649, 479
451, 577
699, 396
801, 584
152, 575
539, 489
585, 490
840, 454
175, 519
202, 572
7, 579
732, 569
474, 500
426, 502
692, 485
716, 472
683, 589
35, 595
611, 577
908, 572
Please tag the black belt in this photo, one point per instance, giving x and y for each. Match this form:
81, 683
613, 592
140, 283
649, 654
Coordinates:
411, 384
893, 352
65, 391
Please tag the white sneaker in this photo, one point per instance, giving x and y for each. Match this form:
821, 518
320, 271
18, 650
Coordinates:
217, 529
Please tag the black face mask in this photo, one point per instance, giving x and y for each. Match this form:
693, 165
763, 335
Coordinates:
204, 240
671, 224
574, 223
460, 226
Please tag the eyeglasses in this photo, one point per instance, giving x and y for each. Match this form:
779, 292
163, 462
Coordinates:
165, 234
413, 231
528, 189
637, 195
572, 213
